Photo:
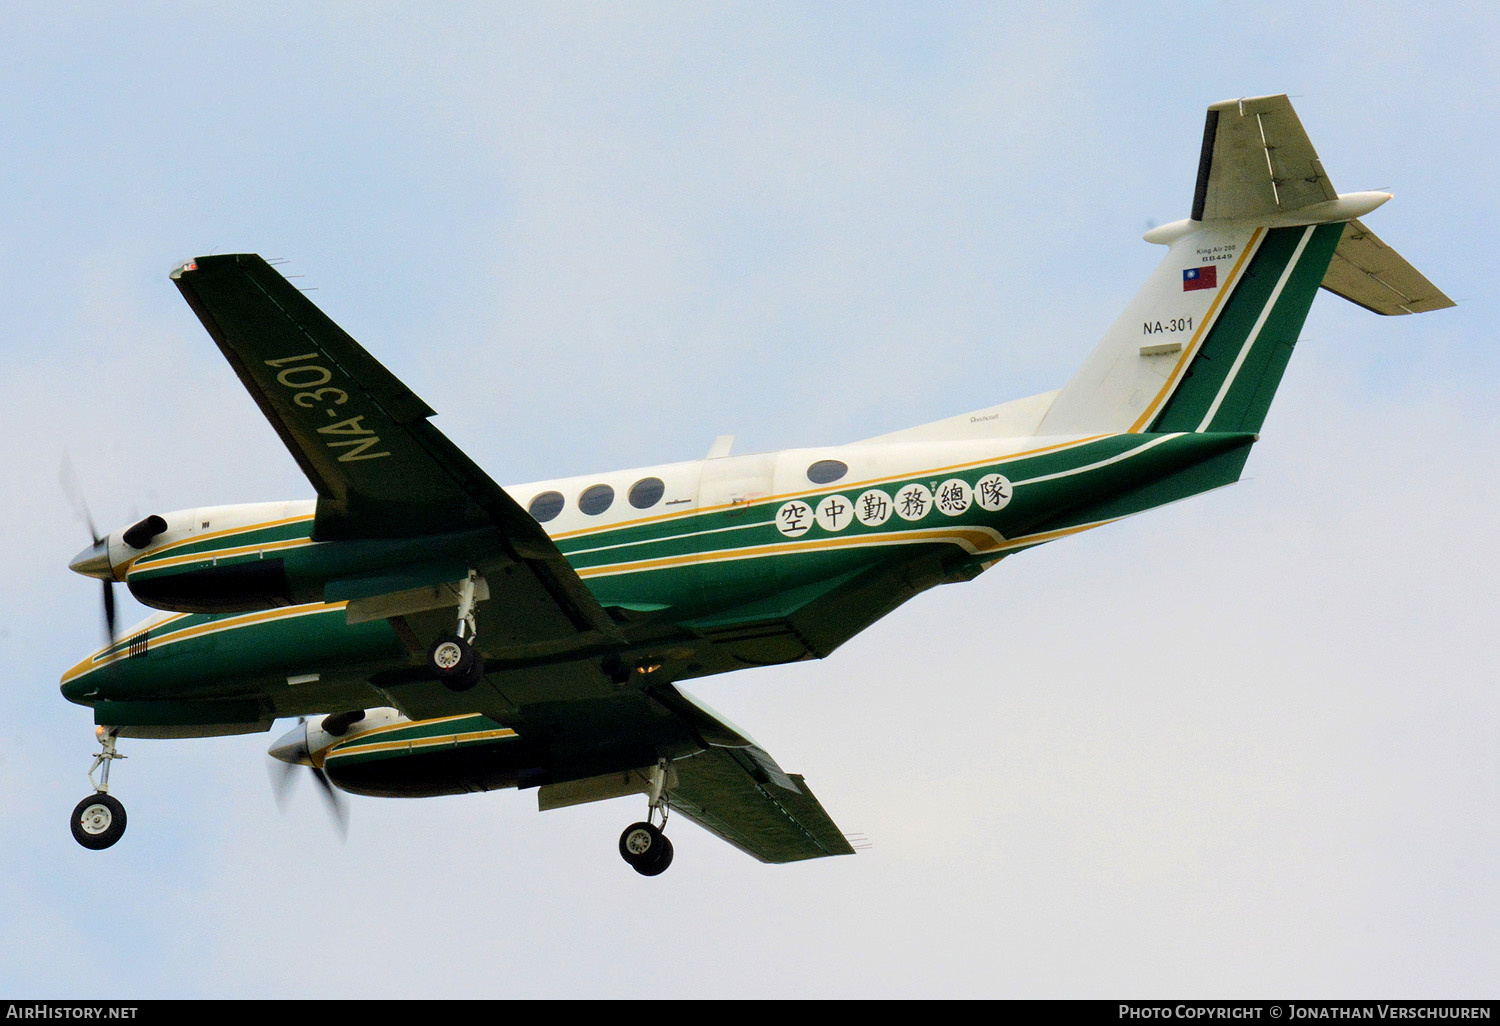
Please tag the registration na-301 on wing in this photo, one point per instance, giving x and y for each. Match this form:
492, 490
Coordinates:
434, 633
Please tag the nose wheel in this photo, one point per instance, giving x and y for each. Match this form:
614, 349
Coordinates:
99, 820
644, 845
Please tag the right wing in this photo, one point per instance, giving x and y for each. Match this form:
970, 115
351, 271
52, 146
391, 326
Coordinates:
382, 471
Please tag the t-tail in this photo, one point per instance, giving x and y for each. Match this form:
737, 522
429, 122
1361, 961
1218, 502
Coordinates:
1203, 345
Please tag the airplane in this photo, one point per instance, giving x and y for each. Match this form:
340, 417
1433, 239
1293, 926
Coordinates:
434, 633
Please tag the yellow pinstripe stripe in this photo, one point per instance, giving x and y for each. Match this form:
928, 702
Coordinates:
358, 747
833, 487
152, 554
152, 563
98, 659
1191, 349
958, 535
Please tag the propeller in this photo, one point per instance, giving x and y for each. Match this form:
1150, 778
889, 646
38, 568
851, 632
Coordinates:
284, 775
74, 494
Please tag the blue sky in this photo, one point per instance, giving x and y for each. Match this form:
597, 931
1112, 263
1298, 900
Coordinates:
1242, 746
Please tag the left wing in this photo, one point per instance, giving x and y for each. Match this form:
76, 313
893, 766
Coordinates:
734, 790
380, 468
720, 779
741, 795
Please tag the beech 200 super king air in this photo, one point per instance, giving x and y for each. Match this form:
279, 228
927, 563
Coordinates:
434, 633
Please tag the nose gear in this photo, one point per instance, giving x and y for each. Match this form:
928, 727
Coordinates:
99, 820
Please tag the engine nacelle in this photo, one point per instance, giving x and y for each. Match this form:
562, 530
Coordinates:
385, 754
235, 559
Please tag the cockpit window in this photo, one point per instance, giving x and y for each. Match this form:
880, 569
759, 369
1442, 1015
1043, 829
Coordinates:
647, 492
546, 506
595, 499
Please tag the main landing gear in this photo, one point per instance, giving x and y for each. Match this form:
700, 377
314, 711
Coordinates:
644, 845
99, 820
452, 658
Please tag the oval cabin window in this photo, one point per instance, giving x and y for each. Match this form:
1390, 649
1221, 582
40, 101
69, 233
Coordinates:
827, 471
546, 506
647, 492
595, 499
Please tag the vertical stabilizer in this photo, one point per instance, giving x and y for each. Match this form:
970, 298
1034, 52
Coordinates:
1146, 353
1203, 345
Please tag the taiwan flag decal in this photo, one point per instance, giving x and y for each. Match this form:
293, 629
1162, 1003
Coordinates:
1205, 277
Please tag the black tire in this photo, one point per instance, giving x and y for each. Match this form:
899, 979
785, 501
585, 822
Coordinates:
98, 821
450, 659
659, 863
640, 844
468, 680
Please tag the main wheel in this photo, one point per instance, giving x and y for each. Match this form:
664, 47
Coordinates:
468, 680
640, 844
98, 821
454, 662
659, 863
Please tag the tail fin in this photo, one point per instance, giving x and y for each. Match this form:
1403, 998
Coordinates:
1203, 345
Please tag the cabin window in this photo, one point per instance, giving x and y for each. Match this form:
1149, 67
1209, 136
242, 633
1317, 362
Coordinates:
546, 506
595, 499
647, 492
827, 471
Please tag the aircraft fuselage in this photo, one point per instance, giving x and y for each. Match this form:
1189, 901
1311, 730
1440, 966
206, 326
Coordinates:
735, 540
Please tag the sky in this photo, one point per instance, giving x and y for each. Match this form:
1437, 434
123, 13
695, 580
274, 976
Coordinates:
1242, 746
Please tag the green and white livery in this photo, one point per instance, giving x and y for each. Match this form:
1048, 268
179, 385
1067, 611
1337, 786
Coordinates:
435, 633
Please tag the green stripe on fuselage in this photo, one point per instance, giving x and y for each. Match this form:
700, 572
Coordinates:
1244, 405
300, 529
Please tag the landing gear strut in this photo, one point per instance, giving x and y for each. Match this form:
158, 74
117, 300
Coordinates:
452, 658
644, 845
99, 820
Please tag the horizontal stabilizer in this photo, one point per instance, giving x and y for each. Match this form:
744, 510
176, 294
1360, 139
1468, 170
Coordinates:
1371, 274
1257, 161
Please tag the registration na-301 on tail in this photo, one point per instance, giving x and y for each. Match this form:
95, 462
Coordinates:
434, 633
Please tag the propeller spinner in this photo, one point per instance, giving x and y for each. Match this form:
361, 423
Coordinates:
293, 750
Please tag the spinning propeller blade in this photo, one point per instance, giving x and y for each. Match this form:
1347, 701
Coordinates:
74, 494
336, 805
109, 610
284, 773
